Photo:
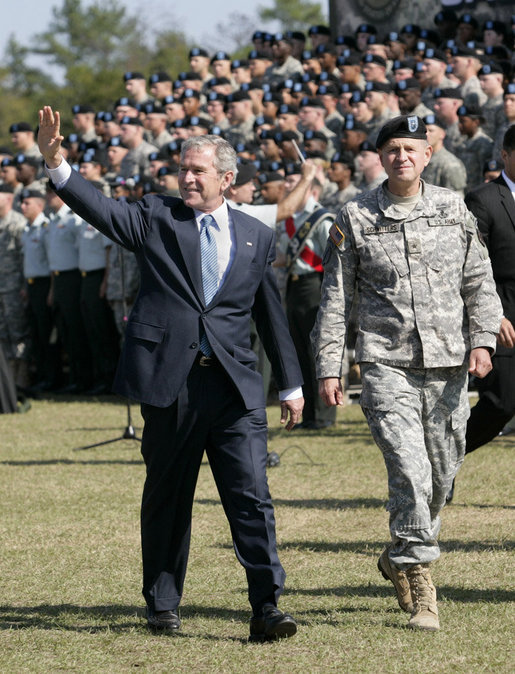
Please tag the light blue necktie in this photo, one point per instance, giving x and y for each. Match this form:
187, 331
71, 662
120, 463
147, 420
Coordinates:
209, 268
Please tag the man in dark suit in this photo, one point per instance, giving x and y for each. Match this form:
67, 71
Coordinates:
205, 269
493, 204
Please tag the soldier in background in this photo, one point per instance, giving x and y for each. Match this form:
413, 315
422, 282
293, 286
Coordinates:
121, 290
444, 169
36, 271
14, 326
428, 314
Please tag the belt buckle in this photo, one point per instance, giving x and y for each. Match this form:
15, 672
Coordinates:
205, 361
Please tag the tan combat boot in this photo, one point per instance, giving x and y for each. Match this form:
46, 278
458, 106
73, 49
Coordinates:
399, 580
425, 612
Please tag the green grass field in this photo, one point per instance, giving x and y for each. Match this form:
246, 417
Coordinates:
70, 560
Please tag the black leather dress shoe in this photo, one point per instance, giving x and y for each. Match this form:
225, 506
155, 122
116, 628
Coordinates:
271, 624
163, 620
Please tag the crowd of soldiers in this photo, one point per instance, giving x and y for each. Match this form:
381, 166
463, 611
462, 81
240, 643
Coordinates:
303, 121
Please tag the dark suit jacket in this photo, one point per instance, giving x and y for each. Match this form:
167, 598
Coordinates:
164, 329
494, 207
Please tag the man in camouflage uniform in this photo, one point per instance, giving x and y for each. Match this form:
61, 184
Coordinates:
444, 169
14, 325
428, 312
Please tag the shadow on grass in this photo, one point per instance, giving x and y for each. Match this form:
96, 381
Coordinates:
318, 504
114, 618
66, 462
445, 593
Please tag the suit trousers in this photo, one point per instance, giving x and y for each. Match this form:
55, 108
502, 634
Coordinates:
208, 415
496, 404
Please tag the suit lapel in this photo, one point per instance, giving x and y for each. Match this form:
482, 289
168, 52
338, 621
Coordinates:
506, 199
188, 239
245, 244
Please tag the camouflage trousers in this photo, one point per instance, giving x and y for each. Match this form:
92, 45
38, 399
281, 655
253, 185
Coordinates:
14, 326
418, 419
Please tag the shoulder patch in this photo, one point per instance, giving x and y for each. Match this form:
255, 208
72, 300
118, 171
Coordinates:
336, 234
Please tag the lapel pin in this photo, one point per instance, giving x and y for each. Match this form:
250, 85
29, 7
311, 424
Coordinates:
249, 243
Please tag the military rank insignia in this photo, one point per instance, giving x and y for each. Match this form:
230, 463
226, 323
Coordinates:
336, 234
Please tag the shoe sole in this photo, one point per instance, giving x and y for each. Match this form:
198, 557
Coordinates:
420, 628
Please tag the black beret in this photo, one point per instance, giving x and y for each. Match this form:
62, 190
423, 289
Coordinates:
292, 169
319, 30
190, 76
366, 28
383, 87
239, 63
125, 101
153, 107
288, 109
198, 51
404, 126
220, 56
492, 165
351, 59
237, 96
346, 158
408, 83
448, 92
246, 173
351, 124
32, 194
469, 19
115, 141
367, 146
410, 29
4, 187
309, 134
132, 75
435, 54
288, 135
308, 102
80, 109
490, 68
199, 121
7, 161
270, 177
374, 58
346, 40
432, 120
20, 126
133, 121
460, 50
189, 93
160, 76
472, 110
23, 159
446, 15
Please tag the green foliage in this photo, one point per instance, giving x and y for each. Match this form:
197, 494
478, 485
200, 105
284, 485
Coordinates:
293, 14
87, 49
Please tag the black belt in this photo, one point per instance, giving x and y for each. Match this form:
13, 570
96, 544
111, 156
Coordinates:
206, 361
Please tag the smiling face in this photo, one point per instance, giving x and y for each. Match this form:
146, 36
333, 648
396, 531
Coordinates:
200, 184
404, 159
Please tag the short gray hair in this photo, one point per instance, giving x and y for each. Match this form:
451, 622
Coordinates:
225, 155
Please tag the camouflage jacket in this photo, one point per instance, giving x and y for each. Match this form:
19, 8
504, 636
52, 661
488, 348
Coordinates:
426, 294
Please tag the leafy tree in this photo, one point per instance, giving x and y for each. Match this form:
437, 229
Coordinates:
293, 14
